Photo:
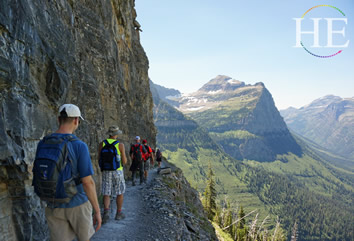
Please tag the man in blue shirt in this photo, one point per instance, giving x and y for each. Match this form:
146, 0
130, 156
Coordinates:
74, 219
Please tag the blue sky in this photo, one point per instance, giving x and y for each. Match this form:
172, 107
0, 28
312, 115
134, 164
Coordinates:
189, 42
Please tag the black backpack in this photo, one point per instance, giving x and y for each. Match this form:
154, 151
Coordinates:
109, 157
137, 153
54, 178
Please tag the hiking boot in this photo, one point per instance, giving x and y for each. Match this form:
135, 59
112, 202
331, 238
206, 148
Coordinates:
120, 216
105, 216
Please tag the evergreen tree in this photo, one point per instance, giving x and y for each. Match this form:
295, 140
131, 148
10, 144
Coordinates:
228, 220
241, 224
241, 233
210, 195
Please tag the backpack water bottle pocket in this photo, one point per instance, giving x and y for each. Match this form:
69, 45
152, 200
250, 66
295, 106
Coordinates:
70, 187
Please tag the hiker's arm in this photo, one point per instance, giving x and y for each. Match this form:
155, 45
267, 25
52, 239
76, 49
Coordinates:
152, 156
90, 190
99, 151
122, 153
131, 152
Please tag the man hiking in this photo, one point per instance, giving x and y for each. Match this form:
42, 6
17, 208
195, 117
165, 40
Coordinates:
137, 152
158, 157
111, 156
148, 159
69, 191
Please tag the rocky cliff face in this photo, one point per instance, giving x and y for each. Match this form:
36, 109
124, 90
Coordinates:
266, 123
55, 52
177, 206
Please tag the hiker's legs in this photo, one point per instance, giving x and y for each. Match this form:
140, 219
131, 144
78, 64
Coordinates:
120, 191
107, 191
141, 171
107, 188
119, 202
119, 215
106, 201
133, 177
146, 169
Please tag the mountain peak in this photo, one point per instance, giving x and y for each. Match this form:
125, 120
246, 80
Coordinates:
323, 101
221, 82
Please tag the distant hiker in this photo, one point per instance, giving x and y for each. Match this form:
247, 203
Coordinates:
68, 212
148, 160
137, 151
158, 157
111, 156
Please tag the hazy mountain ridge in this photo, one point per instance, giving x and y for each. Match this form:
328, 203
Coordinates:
328, 121
166, 94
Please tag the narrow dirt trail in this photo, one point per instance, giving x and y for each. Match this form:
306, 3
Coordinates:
139, 223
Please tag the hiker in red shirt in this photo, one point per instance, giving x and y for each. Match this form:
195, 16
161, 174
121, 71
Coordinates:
137, 153
148, 159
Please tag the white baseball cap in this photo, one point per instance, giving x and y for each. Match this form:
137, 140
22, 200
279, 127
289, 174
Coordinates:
70, 110
137, 138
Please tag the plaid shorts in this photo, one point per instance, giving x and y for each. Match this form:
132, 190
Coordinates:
113, 183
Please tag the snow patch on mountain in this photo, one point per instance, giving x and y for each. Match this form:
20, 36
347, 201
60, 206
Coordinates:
233, 81
195, 108
214, 92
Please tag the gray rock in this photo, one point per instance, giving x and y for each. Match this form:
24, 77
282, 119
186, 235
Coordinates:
162, 171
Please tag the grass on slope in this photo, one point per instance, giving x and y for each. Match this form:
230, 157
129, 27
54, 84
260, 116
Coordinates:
312, 173
228, 111
229, 177
236, 134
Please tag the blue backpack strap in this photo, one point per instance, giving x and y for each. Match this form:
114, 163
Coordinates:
115, 143
70, 138
106, 142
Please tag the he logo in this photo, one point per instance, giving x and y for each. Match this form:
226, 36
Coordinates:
315, 32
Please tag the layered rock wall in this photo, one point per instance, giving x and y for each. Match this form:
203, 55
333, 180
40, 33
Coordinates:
53, 52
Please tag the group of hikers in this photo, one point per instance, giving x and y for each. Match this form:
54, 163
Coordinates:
62, 176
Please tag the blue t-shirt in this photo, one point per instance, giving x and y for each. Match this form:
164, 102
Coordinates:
78, 151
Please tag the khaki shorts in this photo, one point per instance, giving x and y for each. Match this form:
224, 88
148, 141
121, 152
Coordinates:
147, 165
68, 223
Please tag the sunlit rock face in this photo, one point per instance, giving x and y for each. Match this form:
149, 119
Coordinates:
55, 52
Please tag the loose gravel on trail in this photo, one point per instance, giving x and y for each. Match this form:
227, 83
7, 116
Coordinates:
143, 221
